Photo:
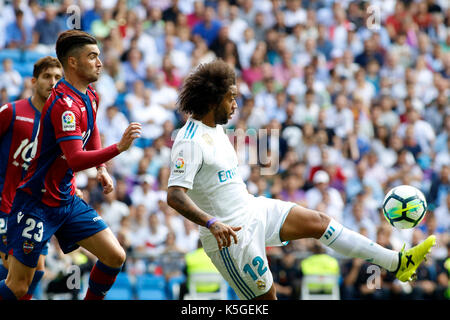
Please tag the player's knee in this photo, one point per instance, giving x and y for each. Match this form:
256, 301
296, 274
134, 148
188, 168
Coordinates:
116, 259
320, 222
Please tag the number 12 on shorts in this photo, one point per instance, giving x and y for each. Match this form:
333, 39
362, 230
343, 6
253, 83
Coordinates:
258, 263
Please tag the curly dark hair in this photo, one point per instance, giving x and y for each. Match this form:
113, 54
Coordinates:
205, 88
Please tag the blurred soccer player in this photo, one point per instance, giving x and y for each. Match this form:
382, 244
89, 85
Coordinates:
45, 203
205, 186
19, 122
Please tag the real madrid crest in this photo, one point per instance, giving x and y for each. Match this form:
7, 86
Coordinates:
261, 284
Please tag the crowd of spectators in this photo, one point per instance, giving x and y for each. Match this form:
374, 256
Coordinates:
355, 93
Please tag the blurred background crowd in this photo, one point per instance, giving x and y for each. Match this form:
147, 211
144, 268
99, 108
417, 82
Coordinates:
356, 94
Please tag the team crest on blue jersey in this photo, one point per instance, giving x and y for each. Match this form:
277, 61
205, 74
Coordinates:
27, 247
68, 121
4, 239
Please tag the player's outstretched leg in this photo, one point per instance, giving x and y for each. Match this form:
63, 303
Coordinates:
305, 223
111, 258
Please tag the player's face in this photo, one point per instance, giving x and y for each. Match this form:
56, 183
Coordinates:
46, 81
227, 107
89, 65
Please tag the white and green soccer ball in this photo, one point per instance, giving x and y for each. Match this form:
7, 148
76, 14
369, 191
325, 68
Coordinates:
404, 207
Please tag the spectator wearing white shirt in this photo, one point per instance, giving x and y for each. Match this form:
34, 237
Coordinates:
294, 13
347, 67
266, 98
10, 79
254, 117
151, 115
340, 117
143, 193
188, 239
164, 95
147, 45
423, 132
151, 240
135, 98
236, 24
246, 47
114, 123
322, 192
180, 60
363, 89
356, 216
338, 31
308, 112
442, 214
113, 211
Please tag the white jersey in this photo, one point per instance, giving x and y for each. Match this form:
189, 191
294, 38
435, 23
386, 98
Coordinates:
204, 161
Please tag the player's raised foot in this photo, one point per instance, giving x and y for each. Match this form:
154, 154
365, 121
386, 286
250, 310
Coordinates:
412, 258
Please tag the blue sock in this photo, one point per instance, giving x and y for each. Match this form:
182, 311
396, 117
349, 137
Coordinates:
5, 292
3, 272
38, 274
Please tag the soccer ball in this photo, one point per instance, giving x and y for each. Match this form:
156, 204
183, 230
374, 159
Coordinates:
404, 206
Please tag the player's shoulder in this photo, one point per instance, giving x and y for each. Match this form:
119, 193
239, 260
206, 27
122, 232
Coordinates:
189, 133
15, 107
7, 112
62, 98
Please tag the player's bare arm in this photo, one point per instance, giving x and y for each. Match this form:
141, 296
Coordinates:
180, 201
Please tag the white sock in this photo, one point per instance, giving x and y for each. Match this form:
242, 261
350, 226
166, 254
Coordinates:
355, 245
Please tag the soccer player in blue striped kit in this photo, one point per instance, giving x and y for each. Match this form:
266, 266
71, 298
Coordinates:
45, 204
205, 186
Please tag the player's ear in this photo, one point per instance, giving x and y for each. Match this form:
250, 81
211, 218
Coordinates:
72, 62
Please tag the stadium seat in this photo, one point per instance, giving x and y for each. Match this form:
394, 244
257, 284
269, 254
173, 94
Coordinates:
14, 54
32, 56
151, 287
24, 68
173, 286
122, 288
320, 287
199, 278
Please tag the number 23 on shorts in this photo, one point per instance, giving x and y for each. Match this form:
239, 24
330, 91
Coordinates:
30, 232
258, 264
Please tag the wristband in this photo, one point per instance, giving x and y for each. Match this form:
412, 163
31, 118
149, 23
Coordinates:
210, 222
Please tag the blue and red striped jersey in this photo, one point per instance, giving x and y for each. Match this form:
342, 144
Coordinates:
19, 124
67, 114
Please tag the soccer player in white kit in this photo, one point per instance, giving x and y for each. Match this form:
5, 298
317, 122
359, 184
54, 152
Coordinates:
206, 188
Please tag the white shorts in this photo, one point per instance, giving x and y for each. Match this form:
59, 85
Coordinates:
244, 265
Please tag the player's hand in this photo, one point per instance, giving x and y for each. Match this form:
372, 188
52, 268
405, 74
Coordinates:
132, 132
105, 180
79, 193
223, 234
